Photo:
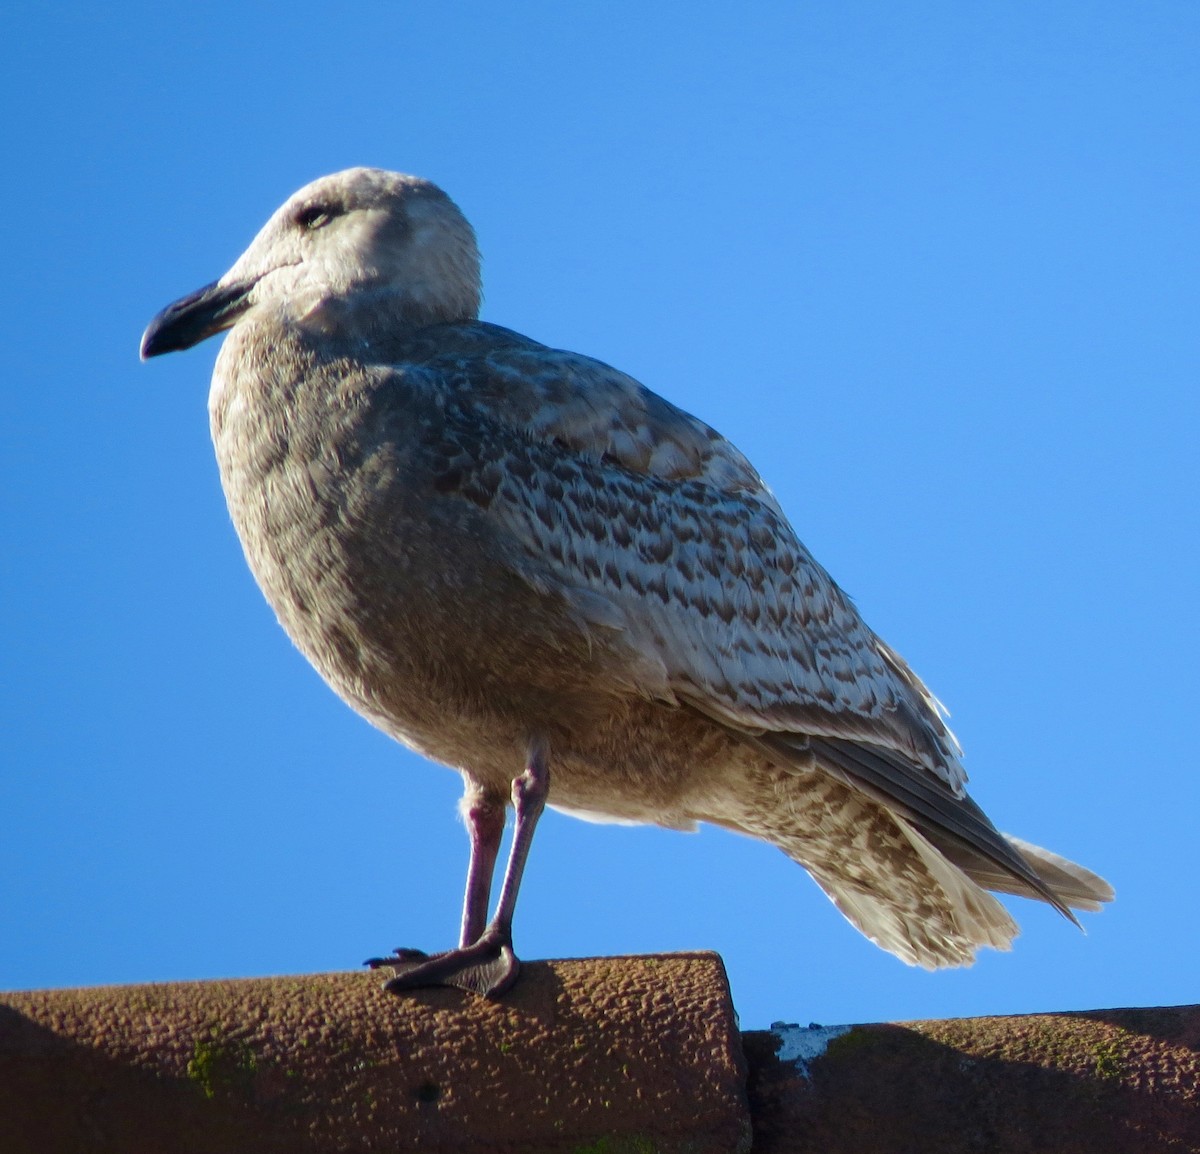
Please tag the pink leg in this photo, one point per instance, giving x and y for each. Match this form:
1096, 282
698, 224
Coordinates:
487, 965
529, 792
484, 815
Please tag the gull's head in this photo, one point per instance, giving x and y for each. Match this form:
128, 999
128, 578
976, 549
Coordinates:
362, 252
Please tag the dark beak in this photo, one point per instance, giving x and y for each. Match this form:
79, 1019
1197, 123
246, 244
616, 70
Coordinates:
195, 317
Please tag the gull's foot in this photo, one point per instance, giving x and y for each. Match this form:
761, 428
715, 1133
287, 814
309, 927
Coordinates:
400, 957
488, 968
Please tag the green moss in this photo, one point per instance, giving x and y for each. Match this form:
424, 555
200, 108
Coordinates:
222, 1066
1109, 1062
859, 1040
629, 1145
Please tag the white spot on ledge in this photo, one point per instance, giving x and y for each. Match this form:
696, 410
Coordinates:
804, 1044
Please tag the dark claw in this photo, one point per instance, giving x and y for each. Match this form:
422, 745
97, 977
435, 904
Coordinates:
401, 956
487, 968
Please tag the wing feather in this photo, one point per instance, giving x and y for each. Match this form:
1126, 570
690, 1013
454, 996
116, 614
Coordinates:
611, 492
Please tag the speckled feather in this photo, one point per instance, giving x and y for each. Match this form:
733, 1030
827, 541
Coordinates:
612, 492
478, 540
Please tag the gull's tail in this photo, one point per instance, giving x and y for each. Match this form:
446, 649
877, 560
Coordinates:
918, 892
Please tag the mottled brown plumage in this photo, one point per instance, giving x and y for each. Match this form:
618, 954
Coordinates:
525, 565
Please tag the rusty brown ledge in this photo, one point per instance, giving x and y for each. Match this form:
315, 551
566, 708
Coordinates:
606, 1055
1096, 1082
636, 1055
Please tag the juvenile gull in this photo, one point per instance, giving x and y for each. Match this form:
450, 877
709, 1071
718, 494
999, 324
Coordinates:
525, 565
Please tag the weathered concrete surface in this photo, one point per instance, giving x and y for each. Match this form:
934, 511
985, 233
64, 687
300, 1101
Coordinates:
608, 1056
1101, 1082
601, 1056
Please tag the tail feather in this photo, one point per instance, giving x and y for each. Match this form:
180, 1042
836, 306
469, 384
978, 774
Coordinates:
1076, 885
952, 822
885, 876
1072, 886
915, 886
966, 918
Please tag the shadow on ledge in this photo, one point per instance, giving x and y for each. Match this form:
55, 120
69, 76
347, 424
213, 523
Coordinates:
1120, 1081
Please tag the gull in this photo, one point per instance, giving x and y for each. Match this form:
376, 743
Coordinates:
525, 565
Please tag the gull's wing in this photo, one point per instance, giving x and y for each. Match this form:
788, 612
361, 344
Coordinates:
616, 494
656, 528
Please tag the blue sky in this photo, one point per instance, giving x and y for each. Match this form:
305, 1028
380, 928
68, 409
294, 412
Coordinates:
932, 266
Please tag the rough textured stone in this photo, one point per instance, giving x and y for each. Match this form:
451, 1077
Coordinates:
606, 1056
1120, 1081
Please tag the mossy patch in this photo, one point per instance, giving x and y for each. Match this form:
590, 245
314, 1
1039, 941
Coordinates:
1109, 1062
854, 1042
635, 1144
222, 1067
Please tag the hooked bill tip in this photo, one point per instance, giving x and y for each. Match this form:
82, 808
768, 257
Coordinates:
194, 318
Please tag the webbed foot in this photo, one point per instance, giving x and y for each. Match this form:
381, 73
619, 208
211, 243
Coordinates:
488, 968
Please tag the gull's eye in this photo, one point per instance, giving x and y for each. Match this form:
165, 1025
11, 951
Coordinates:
315, 216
